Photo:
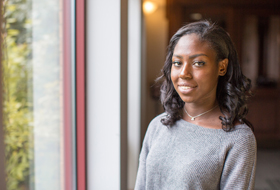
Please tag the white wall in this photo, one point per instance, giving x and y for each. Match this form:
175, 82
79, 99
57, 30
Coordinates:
108, 42
134, 88
103, 94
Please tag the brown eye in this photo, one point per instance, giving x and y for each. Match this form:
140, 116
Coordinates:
176, 63
199, 63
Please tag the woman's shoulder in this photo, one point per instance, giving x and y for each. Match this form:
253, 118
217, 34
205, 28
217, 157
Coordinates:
157, 120
154, 128
243, 135
156, 123
242, 130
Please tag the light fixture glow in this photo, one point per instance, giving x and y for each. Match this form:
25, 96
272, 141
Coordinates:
149, 7
196, 16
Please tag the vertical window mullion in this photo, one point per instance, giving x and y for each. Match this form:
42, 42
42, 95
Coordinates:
80, 93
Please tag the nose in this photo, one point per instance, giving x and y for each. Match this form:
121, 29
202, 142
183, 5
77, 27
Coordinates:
186, 71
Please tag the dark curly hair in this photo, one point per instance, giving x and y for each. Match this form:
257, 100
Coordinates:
233, 88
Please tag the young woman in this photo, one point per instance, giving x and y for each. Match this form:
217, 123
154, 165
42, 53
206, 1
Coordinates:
203, 140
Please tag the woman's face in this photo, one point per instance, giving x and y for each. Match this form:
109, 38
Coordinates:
195, 71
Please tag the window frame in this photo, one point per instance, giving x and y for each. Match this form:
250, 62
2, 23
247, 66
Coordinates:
80, 95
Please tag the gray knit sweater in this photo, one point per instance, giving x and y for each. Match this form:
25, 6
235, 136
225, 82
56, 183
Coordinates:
187, 156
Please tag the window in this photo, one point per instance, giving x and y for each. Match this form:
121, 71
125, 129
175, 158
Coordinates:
38, 94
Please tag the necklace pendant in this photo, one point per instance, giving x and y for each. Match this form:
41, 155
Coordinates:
193, 117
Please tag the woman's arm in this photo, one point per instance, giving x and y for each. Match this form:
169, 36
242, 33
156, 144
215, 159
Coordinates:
141, 173
240, 164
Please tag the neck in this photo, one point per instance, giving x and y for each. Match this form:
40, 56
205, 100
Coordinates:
194, 109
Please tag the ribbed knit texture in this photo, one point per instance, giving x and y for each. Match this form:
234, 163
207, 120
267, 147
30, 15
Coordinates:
187, 156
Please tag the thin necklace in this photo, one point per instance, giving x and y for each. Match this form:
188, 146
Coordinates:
193, 117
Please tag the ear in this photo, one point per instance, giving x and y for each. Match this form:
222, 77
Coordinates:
223, 67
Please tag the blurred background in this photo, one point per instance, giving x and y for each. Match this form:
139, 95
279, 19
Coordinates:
254, 27
123, 48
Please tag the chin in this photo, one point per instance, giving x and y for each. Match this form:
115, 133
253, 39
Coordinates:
187, 100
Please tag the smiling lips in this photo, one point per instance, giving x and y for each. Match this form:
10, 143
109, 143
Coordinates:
185, 88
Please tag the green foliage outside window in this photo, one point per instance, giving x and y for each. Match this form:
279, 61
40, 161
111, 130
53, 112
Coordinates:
17, 93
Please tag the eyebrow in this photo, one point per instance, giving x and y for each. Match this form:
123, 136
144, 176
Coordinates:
192, 56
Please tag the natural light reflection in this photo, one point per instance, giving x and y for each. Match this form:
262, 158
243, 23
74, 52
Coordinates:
37, 95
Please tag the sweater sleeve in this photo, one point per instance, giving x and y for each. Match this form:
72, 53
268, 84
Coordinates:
141, 173
147, 143
240, 164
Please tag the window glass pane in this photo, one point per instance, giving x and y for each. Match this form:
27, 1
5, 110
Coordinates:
38, 93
